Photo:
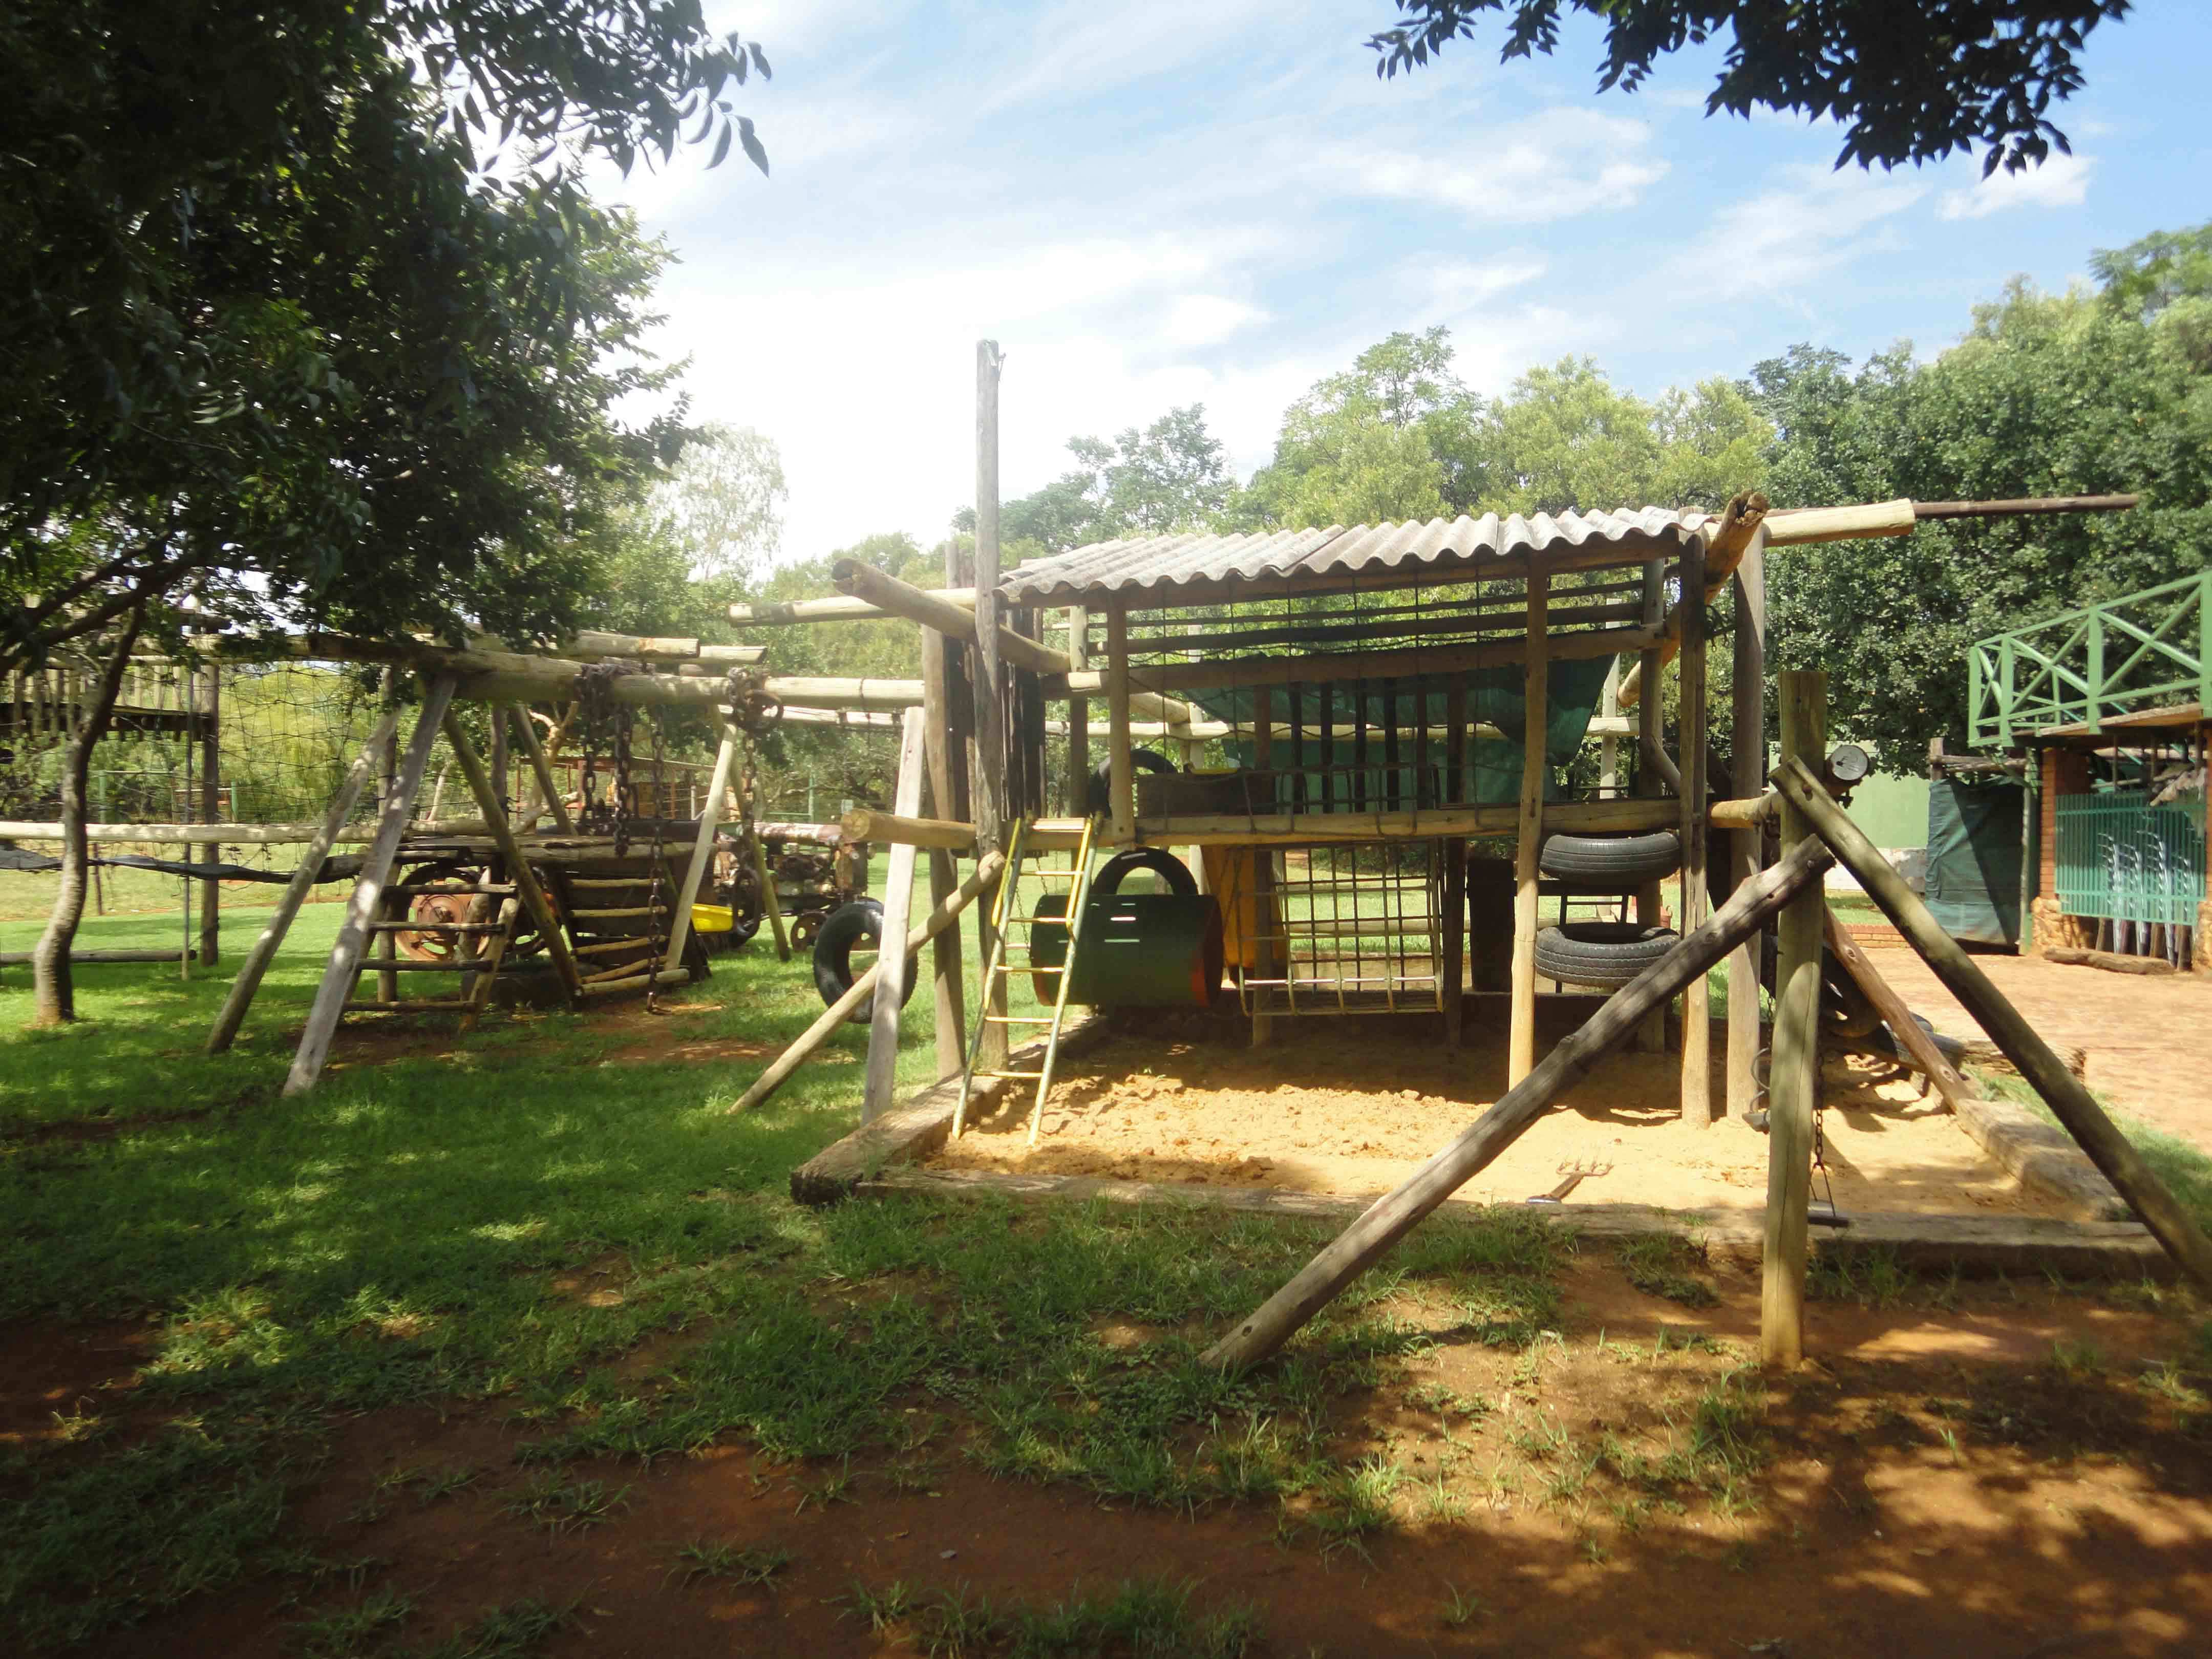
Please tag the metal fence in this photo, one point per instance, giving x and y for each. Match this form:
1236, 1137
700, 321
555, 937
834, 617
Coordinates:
2122, 858
2141, 651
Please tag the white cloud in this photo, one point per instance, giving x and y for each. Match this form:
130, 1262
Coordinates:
1557, 164
2061, 181
1451, 286
1204, 319
1820, 218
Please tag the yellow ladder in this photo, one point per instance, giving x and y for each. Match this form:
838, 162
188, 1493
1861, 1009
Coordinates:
1006, 915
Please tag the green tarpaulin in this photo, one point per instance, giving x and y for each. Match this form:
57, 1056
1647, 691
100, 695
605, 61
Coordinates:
1973, 860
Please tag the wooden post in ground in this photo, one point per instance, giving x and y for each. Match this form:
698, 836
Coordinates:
1748, 848
1454, 852
241, 996
938, 739
702, 848
1121, 775
987, 783
1390, 1217
1697, 1002
367, 902
1794, 1078
1265, 922
765, 875
890, 964
1529, 834
838, 1012
211, 812
519, 871
2075, 1108
1079, 716
387, 943
1652, 1036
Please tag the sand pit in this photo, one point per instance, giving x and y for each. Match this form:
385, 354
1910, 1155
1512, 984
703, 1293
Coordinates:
1353, 1105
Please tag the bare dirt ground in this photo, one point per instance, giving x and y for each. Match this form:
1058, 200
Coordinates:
1980, 1475
1352, 1105
2146, 1037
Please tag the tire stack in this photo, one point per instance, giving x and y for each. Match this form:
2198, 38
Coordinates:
1605, 955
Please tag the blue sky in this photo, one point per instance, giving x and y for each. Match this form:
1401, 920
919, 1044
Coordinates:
1150, 204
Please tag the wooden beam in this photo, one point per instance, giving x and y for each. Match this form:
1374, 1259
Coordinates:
2024, 507
2075, 1108
1264, 965
1078, 717
841, 609
1653, 770
1806, 525
838, 1013
1455, 857
1747, 845
988, 782
1121, 786
549, 792
702, 848
1794, 1078
1529, 834
1697, 1002
1391, 1217
947, 990
1726, 541
898, 898
347, 950
1914, 1041
239, 998
771, 905
526, 887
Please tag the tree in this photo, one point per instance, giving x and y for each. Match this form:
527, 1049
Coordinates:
723, 501
2048, 394
279, 328
1170, 475
1908, 83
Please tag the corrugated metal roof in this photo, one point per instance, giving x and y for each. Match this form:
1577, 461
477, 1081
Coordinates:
1162, 565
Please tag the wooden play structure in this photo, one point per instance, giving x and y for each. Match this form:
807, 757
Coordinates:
1404, 712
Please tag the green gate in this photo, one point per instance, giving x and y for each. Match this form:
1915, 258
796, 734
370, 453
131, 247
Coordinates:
2122, 858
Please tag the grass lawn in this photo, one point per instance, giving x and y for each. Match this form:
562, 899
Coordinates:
551, 1233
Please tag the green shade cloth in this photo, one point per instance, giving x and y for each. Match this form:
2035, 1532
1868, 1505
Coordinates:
1973, 860
1494, 698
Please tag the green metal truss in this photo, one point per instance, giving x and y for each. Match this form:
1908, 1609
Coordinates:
2146, 650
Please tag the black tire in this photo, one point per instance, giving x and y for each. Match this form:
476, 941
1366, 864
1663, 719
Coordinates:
1601, 953
1163, 862
1097, 793
1611, 864
847, 926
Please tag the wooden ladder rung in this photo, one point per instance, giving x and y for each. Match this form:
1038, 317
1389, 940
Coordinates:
610, 881
623, 913
600, 946
1019, 1020
490, 889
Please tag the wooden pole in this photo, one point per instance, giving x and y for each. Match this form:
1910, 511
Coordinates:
1389, 1218
526, 887
1078, 717
1651, 900
1454, 850
338, 975
240, 999
702, 848
1748, 847
898, 898
211, 812
987, 872
987, 782
1121, 791
1911, 1039
1697, 1003
1794, 1078
549, 792
1264, 919
939, 738
841, 609
769, 902
2069, 1100
1529, 834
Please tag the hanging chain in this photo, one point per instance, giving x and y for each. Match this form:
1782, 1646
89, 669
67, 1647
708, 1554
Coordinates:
659, 919
603, 722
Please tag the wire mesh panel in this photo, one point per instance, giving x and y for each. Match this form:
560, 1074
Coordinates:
1351, 929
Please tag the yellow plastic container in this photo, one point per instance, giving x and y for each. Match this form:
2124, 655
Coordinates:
713, 918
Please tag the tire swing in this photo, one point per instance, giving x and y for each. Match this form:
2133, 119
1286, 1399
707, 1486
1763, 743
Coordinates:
1138, 950
1611, 864
847, 926
1603, 954
1098, 791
